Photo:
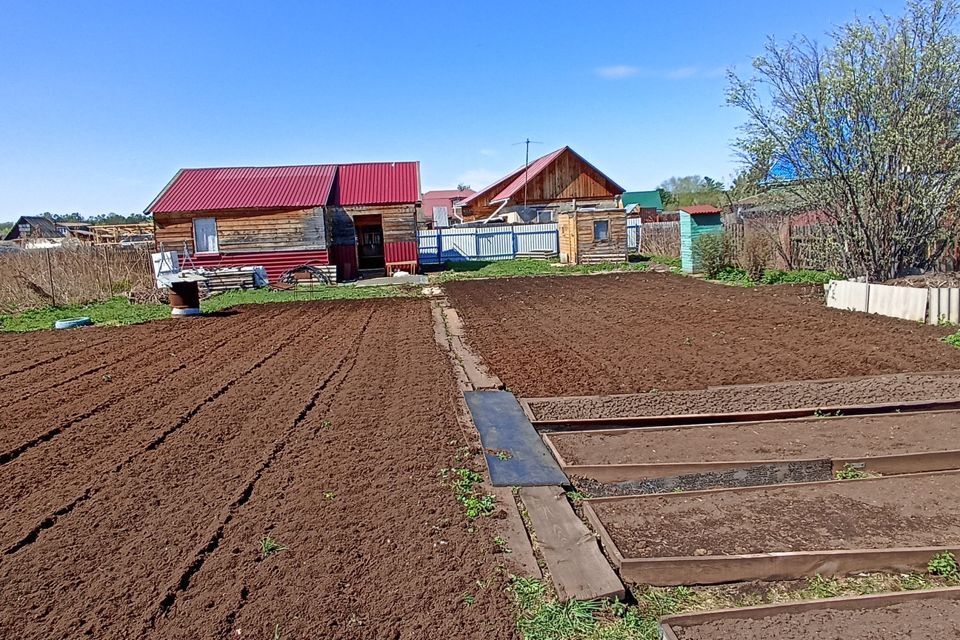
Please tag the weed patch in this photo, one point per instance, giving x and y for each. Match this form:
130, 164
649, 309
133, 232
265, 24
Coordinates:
944, 565
850, 472
269, 546
464, 483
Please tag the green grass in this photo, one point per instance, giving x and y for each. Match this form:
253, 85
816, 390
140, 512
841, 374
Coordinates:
464, 483
343, 292
737, 276
541, 617
119, 311
113, 312
525, 267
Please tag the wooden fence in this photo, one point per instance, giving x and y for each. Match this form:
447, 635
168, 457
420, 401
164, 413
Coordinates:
36, 278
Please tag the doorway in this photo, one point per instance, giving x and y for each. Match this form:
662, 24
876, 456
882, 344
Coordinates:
369, 243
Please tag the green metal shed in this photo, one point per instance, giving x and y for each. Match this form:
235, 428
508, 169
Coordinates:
696, 221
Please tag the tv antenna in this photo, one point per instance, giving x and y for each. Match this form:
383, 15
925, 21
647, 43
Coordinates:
526, 166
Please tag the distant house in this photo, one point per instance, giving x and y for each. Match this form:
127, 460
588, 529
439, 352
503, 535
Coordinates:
39, 232
646, 205
441, 208
359, 217
559, 181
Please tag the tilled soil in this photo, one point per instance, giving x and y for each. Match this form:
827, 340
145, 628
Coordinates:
629, 333
904, 511
904, 387
135, 508
917, 619
830, 438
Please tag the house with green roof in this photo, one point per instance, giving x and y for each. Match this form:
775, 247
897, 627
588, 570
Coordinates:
645, 205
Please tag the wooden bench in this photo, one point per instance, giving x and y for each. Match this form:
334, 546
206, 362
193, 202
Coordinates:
409, 266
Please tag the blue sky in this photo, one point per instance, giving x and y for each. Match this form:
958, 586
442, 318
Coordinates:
101, 102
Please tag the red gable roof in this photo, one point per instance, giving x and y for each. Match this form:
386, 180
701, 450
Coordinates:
298, 186
525, 174
378, 183
246, 188
698, 209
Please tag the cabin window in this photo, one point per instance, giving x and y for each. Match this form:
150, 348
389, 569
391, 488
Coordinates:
205, 235
601, 230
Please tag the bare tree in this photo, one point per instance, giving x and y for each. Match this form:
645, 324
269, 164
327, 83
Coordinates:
866, 131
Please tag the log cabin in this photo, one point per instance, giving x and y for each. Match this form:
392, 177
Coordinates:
559, 181
359, 217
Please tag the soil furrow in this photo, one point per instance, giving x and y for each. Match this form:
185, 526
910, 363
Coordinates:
151, 445
183, 583
157, 507
370, 530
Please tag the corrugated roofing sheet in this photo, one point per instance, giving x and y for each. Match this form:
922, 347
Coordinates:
522, 176
516, 180
643, 199
700, 209
299, 186
246, 188
378, 183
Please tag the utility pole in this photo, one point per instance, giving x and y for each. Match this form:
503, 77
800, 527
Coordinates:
526, 166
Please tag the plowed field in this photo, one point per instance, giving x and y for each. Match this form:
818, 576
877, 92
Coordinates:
142, 466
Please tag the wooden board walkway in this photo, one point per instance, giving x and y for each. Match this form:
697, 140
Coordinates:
576, 564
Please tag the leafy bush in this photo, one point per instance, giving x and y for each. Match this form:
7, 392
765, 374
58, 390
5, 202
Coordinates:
713, 253
953, 339
734, 275
799, 276
755, 256
944, 564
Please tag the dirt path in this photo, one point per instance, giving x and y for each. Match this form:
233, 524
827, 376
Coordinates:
160, 538
627, 333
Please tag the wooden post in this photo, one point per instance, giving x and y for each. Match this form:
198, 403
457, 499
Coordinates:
53, 296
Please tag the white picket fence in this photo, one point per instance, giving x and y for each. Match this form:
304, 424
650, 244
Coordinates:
492, 242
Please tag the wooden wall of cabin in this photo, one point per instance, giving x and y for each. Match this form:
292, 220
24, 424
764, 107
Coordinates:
247, 230
567, 235
589, 248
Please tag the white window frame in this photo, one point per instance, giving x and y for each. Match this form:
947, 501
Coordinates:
215, 237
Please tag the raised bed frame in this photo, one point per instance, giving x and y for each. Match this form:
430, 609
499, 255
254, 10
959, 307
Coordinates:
669, 624
700, 419
780, 565
891, 464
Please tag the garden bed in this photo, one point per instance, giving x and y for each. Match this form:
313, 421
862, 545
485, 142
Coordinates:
888, 444
643, 332
777, 399
783, 532
918, 614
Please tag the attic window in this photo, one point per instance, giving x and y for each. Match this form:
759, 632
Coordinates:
601, 230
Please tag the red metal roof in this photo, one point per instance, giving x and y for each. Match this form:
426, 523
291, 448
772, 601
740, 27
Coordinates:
520, 177
298, 186
700, 209
378, 183
246, 188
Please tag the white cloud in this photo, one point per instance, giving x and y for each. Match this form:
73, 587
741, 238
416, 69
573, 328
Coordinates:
488, 152
618, 71
681, 73
621, 71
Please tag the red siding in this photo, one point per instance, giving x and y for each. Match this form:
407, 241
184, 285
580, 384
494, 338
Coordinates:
400, 252
345, 257
275, 262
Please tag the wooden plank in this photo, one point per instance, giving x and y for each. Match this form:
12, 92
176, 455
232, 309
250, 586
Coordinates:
578, 568
513, 530
844, 603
